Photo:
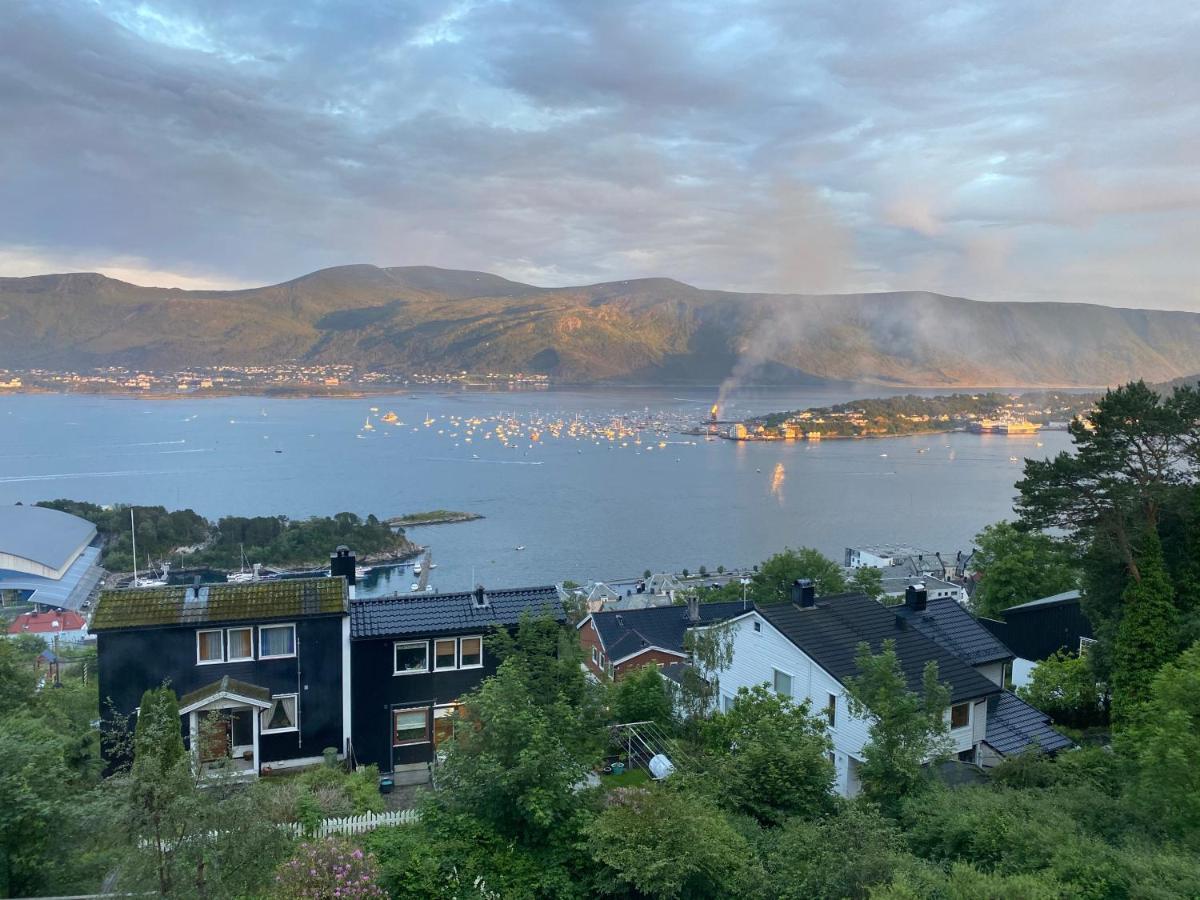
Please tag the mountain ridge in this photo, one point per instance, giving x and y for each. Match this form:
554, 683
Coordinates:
648, 330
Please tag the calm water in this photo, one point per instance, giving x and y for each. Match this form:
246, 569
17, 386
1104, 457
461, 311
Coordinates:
582, 510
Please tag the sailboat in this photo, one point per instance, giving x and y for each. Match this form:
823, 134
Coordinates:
242, 576
142, 582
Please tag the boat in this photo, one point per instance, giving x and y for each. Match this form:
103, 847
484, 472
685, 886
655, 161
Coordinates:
1012, 459
367, 426
242, 576
361, 571
417, 567
520, 547
883, 456
278, 451
414, 587
142, 582
391, 417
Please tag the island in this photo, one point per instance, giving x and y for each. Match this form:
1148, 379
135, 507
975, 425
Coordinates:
911, 414
433, 517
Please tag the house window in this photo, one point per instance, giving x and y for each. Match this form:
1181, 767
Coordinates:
443, 723
412, 657
210, 647
470, 652
960, 715
595, 656
240, 642
758, 626
445, 654
783, 683
282, 714
831, 710
410, 726
275, 641
726, 703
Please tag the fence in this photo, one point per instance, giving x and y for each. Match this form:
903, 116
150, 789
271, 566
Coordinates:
358, 824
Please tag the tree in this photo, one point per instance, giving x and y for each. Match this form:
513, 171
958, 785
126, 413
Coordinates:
659, 843
867, 580
641, 696
907, 730
710, 652
1019, 565
772, 582
513, 761
703, 571
1064, 687
1147, 636
771, 757
1167, 744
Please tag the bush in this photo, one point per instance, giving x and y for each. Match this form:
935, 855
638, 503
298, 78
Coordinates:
322, 870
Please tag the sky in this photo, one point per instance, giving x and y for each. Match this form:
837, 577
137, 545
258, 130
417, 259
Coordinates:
1008, 150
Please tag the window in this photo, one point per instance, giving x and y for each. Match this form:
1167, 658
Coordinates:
410, 726
241, 643
282, 714
470, 652
726, 703
831, 710
783, 683
595, 655
758, 626
960, 715
412, 657
209, 647
445, 654
276, 640
443, 723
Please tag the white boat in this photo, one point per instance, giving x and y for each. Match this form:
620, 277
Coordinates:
417, 567
520, 547
142, 582
243, 575
361, 571
414, 587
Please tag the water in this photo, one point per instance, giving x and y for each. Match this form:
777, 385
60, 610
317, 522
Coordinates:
581, 510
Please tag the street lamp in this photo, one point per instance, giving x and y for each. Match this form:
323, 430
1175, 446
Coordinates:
745, 583
57, 625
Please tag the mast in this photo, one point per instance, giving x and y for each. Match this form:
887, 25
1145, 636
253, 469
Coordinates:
133, 535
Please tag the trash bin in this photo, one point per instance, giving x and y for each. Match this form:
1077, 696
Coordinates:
618, 768
385, 785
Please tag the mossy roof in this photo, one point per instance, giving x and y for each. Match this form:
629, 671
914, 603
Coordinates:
286, 598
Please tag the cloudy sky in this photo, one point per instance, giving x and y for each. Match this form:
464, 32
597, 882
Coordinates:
1007, 150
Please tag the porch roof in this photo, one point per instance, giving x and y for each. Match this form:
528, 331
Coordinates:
225, 689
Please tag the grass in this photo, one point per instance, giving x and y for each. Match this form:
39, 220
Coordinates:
628, 778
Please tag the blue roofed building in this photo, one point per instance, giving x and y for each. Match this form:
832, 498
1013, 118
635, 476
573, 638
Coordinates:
48, 558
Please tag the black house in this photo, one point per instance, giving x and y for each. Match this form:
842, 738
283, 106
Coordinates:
261, 669
1040, 628
413, 657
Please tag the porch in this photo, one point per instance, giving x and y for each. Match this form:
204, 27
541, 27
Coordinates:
224, 724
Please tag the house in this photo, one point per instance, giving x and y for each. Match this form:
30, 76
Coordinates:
271, 673
261, 668
413, 657
61, 625
1040, 628
48, 558
807, 649
615, 643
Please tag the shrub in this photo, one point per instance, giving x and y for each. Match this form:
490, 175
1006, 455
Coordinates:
322, 870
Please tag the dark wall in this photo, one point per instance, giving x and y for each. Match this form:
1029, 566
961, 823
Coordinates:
131, 662
377, 691
1041, 631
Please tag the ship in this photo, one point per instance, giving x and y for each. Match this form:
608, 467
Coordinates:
994, 426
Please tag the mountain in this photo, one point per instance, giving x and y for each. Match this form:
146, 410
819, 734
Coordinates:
651, 330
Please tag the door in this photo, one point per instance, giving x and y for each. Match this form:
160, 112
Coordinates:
214, 736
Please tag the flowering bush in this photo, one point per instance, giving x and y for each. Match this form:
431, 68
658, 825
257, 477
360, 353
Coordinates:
328, 869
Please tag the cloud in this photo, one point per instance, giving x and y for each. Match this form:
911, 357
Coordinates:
997, 150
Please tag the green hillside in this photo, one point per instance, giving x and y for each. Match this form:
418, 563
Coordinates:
648, 331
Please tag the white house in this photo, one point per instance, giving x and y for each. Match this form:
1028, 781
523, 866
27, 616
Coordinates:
806, 650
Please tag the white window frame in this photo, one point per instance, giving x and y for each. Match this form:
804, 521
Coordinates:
970, 715
470, 637
396, 645
262, 628
595, 656
229, 657
266, 715
210, 662
454, 647
791, 682
428, 725
831, 711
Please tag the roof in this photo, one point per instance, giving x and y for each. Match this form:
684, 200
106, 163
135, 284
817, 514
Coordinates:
1014, 726
1053, 600
45, 623
831, 631
225, 688
42, 538
413, 614
284, 598
69, 591
627, 632
947, 622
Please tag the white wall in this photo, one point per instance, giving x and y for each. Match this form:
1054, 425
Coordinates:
755, 657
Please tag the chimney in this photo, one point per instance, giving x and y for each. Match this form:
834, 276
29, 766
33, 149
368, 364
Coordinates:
804, 593
479, 598
916, 597
693, 608
342, 562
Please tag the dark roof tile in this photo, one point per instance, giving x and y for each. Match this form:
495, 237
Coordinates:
414, 614
947, 622
626, 632
831, 631
1014, 726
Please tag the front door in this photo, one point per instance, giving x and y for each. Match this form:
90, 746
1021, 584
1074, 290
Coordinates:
214, 736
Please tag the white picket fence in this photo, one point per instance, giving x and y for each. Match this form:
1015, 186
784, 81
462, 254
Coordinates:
359, 824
